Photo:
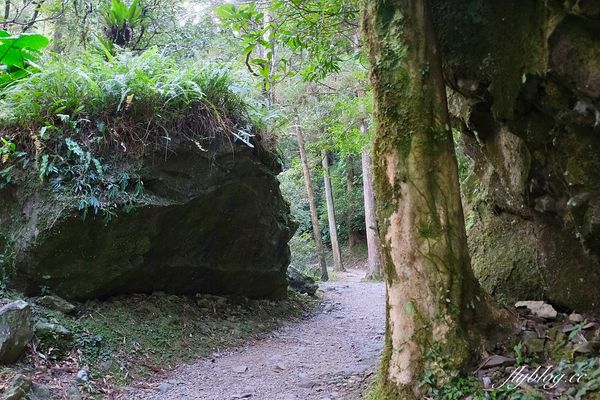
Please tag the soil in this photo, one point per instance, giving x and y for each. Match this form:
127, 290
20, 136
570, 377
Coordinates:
331, 355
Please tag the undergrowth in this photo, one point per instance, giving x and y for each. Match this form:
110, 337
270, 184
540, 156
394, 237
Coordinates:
120, 344
73, 122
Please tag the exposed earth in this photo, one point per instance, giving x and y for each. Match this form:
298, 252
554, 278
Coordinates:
332, 355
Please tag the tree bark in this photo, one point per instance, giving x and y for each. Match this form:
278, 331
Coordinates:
373, 242
433, 299
335, 244
6, 11
354, 237
372, 231
312, 202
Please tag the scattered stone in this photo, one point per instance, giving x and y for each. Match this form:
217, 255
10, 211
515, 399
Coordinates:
47, 328
279, 367
532, 342
584, 348
307, 384
539, 308
240, 369
242, 396
22, 388
301, 282
57, 304
73, 393
487, 382
16, 330
82, 375
576, 318
164, 388
18, 389
498, 361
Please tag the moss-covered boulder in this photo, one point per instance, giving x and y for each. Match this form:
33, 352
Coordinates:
168, 187
524, 89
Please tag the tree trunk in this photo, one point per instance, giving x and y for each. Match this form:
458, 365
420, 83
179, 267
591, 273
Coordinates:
335, 244
433, 299
373, 243
354, 237
313, 204
372, 231
6, 12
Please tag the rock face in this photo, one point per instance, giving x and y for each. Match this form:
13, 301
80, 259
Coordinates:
210, 221
16, 330
525, 92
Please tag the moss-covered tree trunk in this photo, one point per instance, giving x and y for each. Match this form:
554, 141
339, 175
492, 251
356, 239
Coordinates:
433, 297
310, 192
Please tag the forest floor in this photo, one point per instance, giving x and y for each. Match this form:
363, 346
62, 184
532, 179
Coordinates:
331, 355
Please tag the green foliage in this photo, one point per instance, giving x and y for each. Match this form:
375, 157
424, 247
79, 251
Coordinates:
68, 116
116, 13
319, 29
17, 53
127, 86
441, 382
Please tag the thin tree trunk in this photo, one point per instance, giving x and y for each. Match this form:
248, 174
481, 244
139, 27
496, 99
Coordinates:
312, 202
353, 235
372, 231
433, 299
6, 12
373, 243
335, 244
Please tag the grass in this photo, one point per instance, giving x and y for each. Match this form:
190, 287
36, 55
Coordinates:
91, 87
130, 338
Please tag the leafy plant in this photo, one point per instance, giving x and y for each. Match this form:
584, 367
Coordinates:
120, 20
17, 53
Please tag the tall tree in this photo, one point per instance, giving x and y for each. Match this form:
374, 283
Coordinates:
335, 244
433, 297
373, 242
310, 192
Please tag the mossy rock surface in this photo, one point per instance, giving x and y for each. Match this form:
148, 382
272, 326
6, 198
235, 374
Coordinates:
209, 221
525, 91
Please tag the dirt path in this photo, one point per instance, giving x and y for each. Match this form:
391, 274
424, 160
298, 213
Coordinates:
329, 356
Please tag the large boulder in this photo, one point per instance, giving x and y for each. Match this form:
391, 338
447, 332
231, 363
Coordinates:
16, 330
211, 220
524, 89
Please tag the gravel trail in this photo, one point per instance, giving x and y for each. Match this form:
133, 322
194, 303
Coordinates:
331, 355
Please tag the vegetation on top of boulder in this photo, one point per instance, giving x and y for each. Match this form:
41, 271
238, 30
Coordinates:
74, 120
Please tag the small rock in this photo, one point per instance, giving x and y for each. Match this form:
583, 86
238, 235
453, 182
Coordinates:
301, 282
307, 384
164, 388
56, 303
73, 393
539, 309
279, 367
19, 387
82, 375
576, 318
584, 348
16, 330
240, 369
487, 382
497, 361
58, 331
242, 396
